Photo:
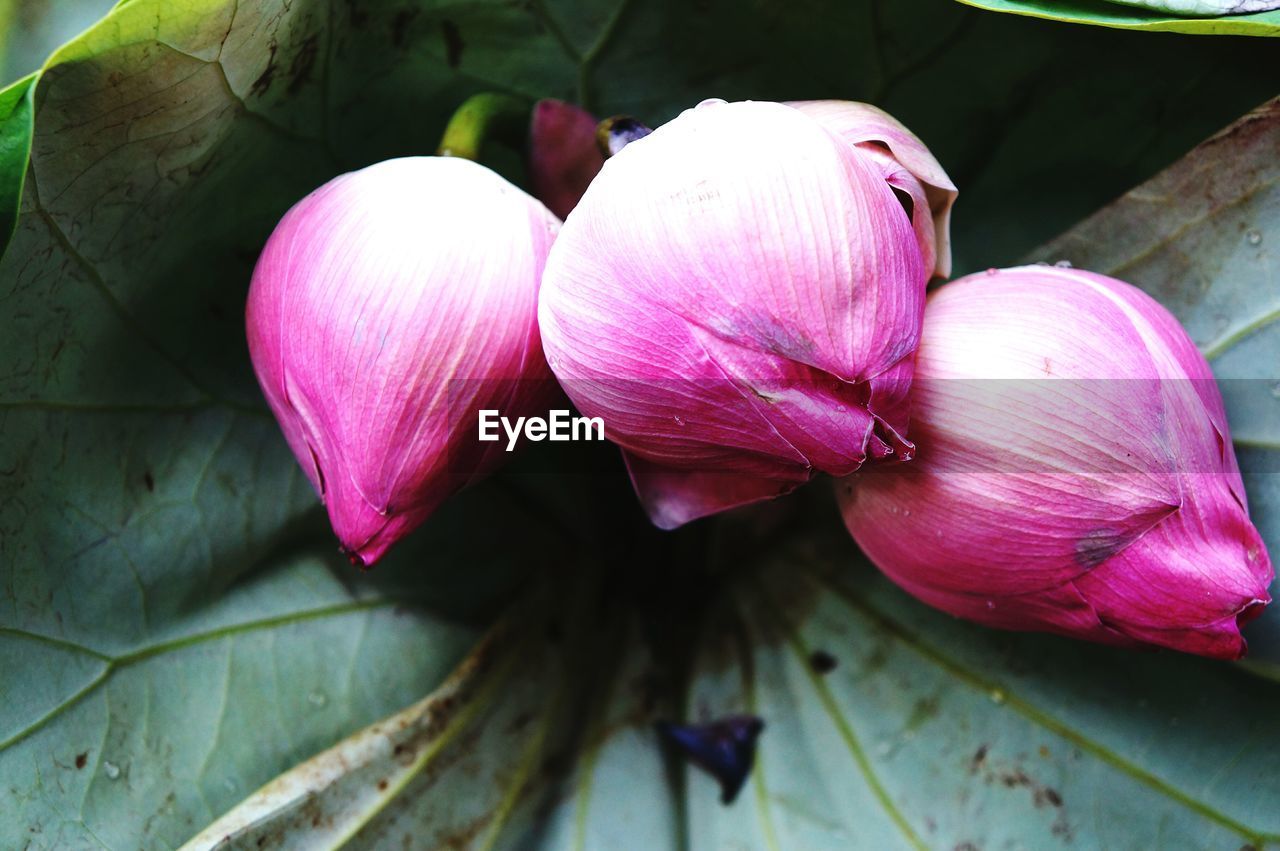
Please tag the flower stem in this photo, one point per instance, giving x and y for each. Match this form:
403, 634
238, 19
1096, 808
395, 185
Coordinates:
480, 117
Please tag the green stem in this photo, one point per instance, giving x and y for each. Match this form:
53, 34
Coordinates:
481, 116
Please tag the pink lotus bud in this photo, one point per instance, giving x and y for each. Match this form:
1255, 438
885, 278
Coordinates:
563, 155
388, 307
913, 169
1075, 474
738, 296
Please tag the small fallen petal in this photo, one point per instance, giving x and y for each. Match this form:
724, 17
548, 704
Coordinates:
725, 748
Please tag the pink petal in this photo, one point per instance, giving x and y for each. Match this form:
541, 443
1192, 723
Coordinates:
387, 307
725, 285
866, 126
563, 155
672, 496
1074, 473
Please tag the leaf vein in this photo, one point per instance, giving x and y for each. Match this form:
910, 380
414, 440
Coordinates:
1039, 716
115, 663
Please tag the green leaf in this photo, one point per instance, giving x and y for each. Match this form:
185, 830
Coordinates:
538, 740
138, 748
178, 694
1203, 238
915, 731
922, 731
16, 114
1109, 14
354, 789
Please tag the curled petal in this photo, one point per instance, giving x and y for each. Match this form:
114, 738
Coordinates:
875, 131
673, 496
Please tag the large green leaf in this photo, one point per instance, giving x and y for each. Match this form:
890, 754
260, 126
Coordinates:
175, 629
894, 726
1108, 14
541, 739
888, 725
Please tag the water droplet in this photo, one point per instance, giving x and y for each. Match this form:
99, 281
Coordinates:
1254, 237
991, 604
1063, 264
884, 749
318, 699
111, 770
998, 696
679, 420
993, 271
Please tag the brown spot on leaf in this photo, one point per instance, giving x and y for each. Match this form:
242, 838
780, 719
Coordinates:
303, 64
822, 662
978, 759
922, 711
464, 836
400, 26
149, 480
452, 43
82, 759
1015, 778
1048, 795
268, 75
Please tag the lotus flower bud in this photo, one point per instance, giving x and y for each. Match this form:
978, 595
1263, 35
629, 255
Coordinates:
1075, 474
388, 307
563, 154
738, 296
